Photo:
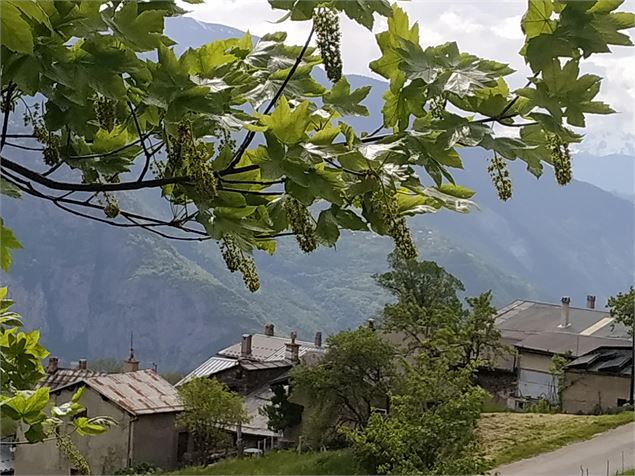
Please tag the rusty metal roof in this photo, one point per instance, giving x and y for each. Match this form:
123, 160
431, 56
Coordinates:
139, 393
62, 377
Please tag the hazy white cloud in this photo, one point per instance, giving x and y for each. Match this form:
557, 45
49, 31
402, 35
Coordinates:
488, 28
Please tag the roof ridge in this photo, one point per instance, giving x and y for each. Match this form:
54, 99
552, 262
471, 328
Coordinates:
555, 305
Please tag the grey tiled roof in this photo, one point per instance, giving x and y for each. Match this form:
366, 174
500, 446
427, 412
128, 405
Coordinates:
563, 342
521, 319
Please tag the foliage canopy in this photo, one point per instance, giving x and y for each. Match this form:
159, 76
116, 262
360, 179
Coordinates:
122, 112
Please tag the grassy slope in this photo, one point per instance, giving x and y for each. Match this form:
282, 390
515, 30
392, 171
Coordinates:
284, 462
506, 437
511, 437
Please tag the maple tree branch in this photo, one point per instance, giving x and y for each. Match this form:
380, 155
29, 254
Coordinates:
62, 202
7, 111
143, 142
88, 187
251, 134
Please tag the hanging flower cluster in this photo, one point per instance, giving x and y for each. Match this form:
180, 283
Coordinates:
396, 225
560, 158
327, 28
497, 168
301, 223
50, 141
106, 112
236, 260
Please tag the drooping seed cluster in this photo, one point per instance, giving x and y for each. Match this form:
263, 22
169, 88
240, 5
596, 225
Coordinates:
111, 205
301, 223
437, 107
50, 141
204, 177
185, 150
72, 454
326, 24
560, 158
236, 260
396, 225
497, 168
106, 112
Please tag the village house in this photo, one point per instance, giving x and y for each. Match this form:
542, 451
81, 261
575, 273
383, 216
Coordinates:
249, 367
538, 331
143, 404
598, 379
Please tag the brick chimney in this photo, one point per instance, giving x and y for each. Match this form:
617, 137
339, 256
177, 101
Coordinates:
52, 365
318, 339
269, 330
82, 364
371, 324
245, 346
590, 302
292, 350
564, 312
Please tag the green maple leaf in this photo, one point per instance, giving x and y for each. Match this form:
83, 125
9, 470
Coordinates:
288, 125
8, 242
15, 30
346, 102
538, 20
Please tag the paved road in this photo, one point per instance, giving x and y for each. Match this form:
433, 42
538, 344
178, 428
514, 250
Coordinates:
591, 455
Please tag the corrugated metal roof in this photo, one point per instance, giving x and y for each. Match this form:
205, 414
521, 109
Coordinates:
62, 377
605, 360
140, 393
268, 348
211, 366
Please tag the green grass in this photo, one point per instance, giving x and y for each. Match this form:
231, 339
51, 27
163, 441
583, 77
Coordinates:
508, 437
628, 472
283, 462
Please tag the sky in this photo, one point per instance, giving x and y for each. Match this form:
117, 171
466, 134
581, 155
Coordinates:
487, 28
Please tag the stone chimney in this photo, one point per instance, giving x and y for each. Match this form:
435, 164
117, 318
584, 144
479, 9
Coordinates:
269, 330
590, 302
245, 346
371, 324
292, 350
130, 364
564, 312
52, 365
82, 364
318, 339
